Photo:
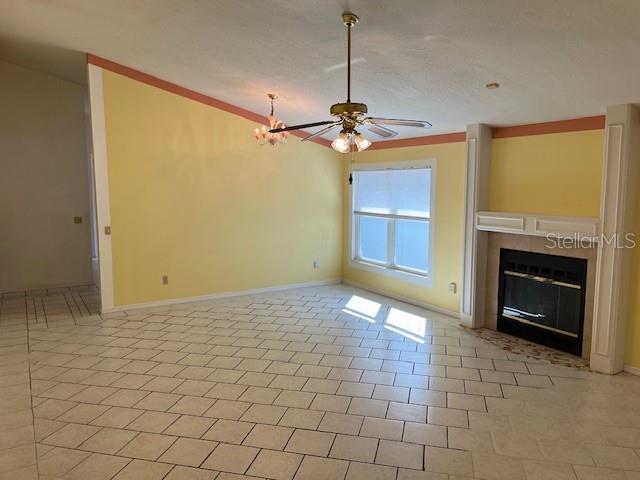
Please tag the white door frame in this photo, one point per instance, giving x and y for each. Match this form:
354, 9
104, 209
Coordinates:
101, 183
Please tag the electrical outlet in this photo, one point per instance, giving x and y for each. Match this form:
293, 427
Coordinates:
316, 264
453, 287
165, 279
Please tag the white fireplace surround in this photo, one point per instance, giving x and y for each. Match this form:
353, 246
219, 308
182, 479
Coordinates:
617, 217
564, 243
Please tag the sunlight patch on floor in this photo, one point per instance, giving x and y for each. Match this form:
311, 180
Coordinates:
407, 324
362, 308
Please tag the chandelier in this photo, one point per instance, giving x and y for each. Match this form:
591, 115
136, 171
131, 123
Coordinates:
263, 134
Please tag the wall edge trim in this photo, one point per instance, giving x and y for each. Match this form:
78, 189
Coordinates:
99, 157
402, 298
218, 295
560, 126
190, 94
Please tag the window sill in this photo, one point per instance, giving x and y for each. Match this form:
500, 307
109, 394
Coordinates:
408, 277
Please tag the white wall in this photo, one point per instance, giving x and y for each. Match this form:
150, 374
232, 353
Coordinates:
43, 181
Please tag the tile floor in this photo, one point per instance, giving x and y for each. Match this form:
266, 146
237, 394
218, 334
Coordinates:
321, 383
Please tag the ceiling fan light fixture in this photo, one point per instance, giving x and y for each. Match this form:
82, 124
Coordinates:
361, 142
342, 143
350, 115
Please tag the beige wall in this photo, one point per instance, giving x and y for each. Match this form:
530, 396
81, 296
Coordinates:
43, 181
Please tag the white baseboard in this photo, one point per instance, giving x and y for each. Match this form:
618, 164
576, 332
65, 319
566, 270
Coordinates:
402, 298
632, 370
215, 296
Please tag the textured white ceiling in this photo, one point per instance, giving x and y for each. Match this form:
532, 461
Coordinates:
423, 59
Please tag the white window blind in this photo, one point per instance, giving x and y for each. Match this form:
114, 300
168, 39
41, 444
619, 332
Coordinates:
392, 218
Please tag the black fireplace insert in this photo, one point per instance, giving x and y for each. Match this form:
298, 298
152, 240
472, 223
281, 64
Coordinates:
541, 298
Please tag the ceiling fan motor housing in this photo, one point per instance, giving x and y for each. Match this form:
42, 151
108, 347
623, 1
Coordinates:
349, 109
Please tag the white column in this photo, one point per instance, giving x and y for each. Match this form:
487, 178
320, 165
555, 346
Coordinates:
101, 185
617, 215
478, 162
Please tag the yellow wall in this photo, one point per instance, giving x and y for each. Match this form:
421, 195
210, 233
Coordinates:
194, 197
448, 224
520, 182
554, 174
632, 350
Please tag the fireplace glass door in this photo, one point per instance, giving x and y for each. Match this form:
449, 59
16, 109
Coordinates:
541, 298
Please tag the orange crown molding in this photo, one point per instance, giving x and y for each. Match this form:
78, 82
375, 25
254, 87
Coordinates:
418, 141
560, 126
187, 93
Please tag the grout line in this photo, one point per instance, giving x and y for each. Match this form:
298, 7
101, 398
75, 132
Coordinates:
44, 311
70, 309
35, 310
33, 418
123, 467
75, 296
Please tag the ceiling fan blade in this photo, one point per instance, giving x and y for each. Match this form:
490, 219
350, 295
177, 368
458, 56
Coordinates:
401, 122
298, 127
381, 131
321, 132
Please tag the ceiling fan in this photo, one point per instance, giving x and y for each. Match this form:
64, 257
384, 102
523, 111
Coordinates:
350, 115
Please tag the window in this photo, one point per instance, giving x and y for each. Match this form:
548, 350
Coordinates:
391, 223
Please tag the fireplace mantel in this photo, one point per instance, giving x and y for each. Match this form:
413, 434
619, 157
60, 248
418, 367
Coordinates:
538, 225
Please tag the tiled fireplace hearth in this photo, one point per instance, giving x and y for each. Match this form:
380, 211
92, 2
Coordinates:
539, 272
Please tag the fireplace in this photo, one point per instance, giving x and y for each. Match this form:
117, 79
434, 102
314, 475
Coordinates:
541, 298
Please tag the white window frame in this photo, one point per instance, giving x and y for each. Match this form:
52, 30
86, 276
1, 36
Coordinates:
390, 269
